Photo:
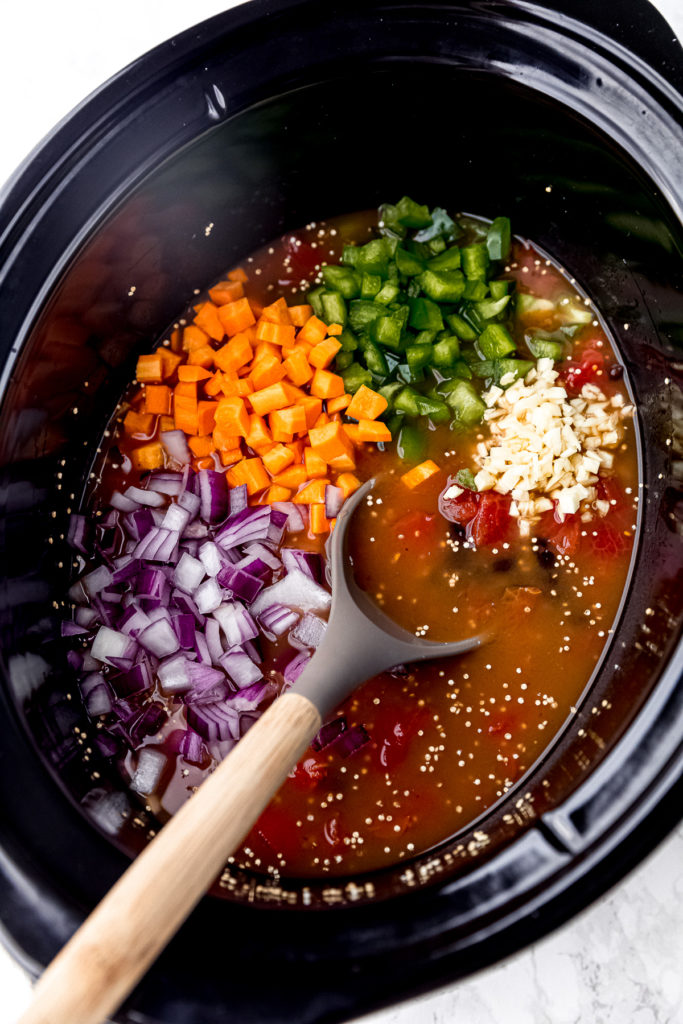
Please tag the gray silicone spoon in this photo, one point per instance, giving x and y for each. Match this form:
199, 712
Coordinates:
125, 933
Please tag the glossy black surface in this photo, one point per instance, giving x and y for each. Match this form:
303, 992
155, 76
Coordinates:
483, 106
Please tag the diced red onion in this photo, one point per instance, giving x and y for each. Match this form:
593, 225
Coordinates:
309, 562
97, 580
294, 590
208, 596
278, 525
308, 632
189, 573
184, 626
109, 644
159, 638
295, 515
151, 498
175, 445
184, 603
351, 740
240, 668
133, 621
125, 569
123, 502
201, 647
85, 616
238, 499
165, 482
196, 531
174, 675
107, 745
211, 558
212, 635
213, 495
69, 628
213, 721
152, 583
192, 749
176, 518
190, 502
334, 499
250, 524
236, 622
277, 619
295, 667
137, 679
79, 534
254, 566
264, 553
149, 770
329, 733
239, 583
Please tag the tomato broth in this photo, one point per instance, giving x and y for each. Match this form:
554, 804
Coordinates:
440, 743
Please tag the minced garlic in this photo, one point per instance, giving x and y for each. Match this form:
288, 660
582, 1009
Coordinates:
545, 446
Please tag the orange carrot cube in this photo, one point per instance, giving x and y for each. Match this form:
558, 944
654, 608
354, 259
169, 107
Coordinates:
418, 474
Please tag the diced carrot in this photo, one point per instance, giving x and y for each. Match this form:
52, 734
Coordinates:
297, 449
312, 407
313, 493
149, 369
343, 463
319, 522
158, 399
418, 474
330, 440
366, 404
203, 356
297, 367
203, 462
234, 385
208, 319
250, 472
185, 414
200, 445
313, 331
194, 337
300, 314
185, 389
352, 431
337, 404
193, 373
166, 423
229, 456
276, 493
235, 316
348, 483
235, 354
277, 334
326, 384
259, 434
276, 396
223, 440
277, 312
322, 419
148, 456
291, 420
277, 459
232, 415
213, 386
170, 362
226, 291
293, 476
238, 274
206, 417
314, 463
371, 430
138, 423
265, 348
334, 330
268, 370
323, 353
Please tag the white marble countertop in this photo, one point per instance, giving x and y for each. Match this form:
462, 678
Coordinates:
621, 961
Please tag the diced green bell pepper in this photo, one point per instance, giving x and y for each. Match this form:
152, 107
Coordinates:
369, 286
489, 309
466, 403
446, 351
461, 327
448, 260
424, 315
411, 443
498, 239
408, 263
475, 261
419, 356
342, 280
442, 285
495, 342
355, 376
334, 308
412, 215
544, 348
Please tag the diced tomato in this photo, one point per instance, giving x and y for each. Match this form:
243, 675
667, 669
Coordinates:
458, 510
492, 522
308, 773
417, 530
587, 370
274, 834
606, 539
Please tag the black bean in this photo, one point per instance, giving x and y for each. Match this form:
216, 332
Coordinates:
616, 372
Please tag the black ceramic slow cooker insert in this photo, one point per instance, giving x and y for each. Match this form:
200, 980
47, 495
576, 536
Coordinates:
570, 117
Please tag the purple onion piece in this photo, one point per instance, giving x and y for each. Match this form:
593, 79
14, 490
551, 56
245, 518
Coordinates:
240, 668
248, 525
175, 445
295, 667
308, 562
239, 583
79, 535
334, 499
277, 619
351, 740
213, 496
329, 733
165, 482
238, 499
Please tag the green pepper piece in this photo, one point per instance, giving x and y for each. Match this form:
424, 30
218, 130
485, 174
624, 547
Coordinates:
525, 303
518, 367
343, 360
412, 215
461, 327
475, 261
543, 348
441, 224
495, 342
436, 245
442, 285
499, 288
387, 293
389, 391
342, 280
466, 403
465, 478
424, 315
475, 291
334, 308
315, 300
348, 341
408, 263
369, 286
374, 256
489, 309
387, 331
363, 313
448, 260
446, 351
355, 376
411, 443
375, 358
498, 239
389, 220
350, 255
425, 338
395, 422
419, 356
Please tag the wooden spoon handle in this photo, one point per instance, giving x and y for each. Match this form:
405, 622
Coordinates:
125, 933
